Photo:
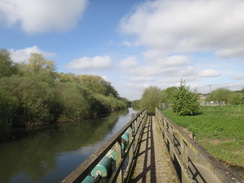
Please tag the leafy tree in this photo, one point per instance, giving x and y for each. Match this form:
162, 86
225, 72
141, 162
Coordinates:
35, 99
226, 95
34, 94
67, 77
37, 63
125, 101
41, 67
73, 102
236, 98
7, 67
169, 94
185, 102
8, 106
240, 91
151, 98
97, 84
94, 83
220, 94
135, 104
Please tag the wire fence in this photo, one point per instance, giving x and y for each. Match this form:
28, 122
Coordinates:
212, 103
163, 106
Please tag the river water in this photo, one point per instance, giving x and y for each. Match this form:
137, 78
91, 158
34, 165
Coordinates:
50, 155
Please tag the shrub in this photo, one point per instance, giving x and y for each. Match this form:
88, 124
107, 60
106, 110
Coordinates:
184, 101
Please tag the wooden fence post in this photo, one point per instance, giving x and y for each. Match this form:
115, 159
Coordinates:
118, 159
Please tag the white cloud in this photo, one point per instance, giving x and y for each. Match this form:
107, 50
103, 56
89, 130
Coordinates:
238, 77
91, 63
127, 43
188, 26
209, 73
142, 79
35, 16
22, 55
231, 52
172, 65
129, 62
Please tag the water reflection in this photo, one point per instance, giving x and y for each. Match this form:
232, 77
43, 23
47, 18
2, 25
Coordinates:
52, 154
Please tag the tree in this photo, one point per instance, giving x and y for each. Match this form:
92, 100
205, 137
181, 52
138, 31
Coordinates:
169, 94
226, 95
75, 104
135, 104
41, 67
240, 91
67, 77
7, 67
37, 63
151, 98
184, 101
8, 106
98, 85
35, 99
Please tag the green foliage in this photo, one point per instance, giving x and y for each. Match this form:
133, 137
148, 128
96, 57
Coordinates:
41, 67
33, 94
240, 91
184, 101
34, 98
125, 101
67, 77
97, 84
230, 97
136, 104
38, 64
8, 106
219, 129
73, 102
169, 94
7, 67
151, 98
105, 104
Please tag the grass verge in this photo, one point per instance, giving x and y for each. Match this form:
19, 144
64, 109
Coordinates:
218, 129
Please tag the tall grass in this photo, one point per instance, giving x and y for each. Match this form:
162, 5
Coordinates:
218, 129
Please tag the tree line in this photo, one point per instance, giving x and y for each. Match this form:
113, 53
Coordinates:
183, 100
33, 94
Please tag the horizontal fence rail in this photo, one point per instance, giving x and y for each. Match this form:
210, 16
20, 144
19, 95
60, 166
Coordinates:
192, 162
212, 103
118, 151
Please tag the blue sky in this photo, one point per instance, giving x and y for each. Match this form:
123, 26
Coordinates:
133, 44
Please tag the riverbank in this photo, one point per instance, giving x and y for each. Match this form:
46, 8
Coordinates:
18, 133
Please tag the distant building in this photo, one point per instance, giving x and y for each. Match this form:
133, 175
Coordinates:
202, 96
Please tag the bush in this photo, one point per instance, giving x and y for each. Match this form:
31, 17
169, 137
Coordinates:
8, 106
34, 97
184, 101
73, 103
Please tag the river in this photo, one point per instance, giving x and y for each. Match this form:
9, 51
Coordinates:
51, 154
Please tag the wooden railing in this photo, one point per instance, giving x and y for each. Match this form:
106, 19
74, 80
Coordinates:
192, 162
124, 158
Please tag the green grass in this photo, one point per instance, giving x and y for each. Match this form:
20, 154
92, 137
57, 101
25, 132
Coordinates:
219, 130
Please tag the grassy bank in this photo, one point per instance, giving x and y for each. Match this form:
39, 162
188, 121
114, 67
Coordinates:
219, 130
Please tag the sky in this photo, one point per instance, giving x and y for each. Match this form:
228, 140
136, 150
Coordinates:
134, 44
